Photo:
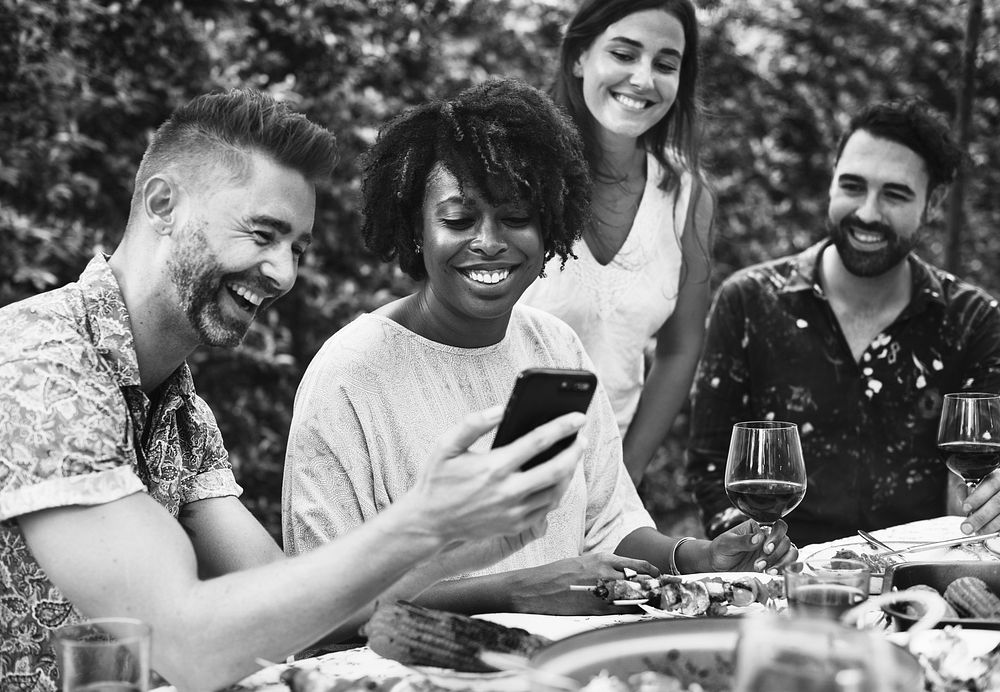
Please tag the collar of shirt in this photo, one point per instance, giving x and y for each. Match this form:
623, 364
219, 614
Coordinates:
804, 276
109, 323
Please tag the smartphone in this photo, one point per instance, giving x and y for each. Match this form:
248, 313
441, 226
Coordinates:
540, 395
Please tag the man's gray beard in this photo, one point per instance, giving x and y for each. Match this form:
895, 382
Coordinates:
198, 278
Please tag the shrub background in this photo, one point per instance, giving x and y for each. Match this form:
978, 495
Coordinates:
83, 84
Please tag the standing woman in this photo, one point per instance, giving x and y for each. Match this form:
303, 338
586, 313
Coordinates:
628, 75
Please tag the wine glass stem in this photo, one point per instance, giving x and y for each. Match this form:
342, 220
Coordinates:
766, 528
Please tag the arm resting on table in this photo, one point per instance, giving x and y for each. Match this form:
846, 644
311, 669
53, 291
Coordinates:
131, 558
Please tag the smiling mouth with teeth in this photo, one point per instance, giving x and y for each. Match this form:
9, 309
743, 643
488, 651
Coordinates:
246, 298
633, 103
867, 237
488, 277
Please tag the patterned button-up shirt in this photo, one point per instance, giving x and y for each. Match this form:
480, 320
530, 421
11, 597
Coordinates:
775, 351
71, 411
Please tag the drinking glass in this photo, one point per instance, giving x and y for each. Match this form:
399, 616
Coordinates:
969, 435
104, 655
775, 654
826, 588
765, 473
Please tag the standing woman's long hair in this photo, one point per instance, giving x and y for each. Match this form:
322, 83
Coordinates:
679, 131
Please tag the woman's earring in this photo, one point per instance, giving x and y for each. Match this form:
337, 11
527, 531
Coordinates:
418, 247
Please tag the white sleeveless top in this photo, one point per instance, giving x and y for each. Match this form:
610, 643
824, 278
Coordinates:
616, 308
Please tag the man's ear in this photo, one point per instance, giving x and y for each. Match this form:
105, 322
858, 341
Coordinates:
159, 199
935, 202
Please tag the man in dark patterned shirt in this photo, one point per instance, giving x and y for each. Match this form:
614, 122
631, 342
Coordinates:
856, 340
117, 497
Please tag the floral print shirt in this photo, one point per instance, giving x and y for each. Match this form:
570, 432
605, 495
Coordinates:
775, 351
76, 429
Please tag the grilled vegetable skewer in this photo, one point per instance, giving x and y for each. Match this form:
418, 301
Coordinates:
709, 596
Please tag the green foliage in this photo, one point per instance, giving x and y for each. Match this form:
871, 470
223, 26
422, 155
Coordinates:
84, 82
803, 67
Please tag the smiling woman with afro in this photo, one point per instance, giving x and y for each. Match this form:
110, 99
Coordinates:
503, 136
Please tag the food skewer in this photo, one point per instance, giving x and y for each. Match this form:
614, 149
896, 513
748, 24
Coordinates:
707, 596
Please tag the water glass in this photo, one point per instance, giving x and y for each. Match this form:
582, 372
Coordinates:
104, 655
826, 588
807, 654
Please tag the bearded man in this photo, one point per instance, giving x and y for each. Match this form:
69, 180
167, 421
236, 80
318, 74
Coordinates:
856, 340
117, 497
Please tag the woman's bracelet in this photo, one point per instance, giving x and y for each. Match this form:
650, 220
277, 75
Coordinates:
673, 553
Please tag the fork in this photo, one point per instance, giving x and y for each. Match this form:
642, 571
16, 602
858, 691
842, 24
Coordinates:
881, 545
872, 541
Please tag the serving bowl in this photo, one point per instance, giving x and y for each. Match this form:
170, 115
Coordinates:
694, 651
939, 575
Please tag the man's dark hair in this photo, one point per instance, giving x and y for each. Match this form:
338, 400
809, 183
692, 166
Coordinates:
913, 124
504, 138
226, 128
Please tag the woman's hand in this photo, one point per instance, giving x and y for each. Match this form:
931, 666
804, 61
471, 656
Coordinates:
545, 589
747, 547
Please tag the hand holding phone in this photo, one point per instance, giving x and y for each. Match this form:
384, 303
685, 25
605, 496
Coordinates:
541, 395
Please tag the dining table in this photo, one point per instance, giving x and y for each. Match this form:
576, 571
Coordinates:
363, 666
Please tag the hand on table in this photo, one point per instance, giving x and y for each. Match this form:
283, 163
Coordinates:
747, 547
545, 589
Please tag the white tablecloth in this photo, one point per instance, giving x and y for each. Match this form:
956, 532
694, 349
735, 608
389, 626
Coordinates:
354, 664
938, 529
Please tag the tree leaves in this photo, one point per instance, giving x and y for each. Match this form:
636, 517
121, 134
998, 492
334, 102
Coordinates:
83, 84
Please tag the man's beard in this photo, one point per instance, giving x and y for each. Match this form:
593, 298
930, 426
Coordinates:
869, 263
198, 278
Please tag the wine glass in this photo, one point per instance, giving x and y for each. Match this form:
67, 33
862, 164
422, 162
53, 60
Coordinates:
969, 435
765, 473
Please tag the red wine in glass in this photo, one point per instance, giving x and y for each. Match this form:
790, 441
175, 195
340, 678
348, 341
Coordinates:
971, 461
765, 472
969, 434
765, 501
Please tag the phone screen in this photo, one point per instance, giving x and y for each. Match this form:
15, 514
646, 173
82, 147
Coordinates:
540, 395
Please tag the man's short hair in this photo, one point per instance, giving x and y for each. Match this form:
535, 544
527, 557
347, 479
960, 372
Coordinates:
226, 128
911, 123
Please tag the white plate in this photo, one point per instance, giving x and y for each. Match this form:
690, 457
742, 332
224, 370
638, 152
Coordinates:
826, 551
730, 576
448, 679
943, 657
977, 642
559, 626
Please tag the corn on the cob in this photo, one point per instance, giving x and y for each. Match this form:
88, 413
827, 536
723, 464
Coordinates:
415, 635
972, 598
